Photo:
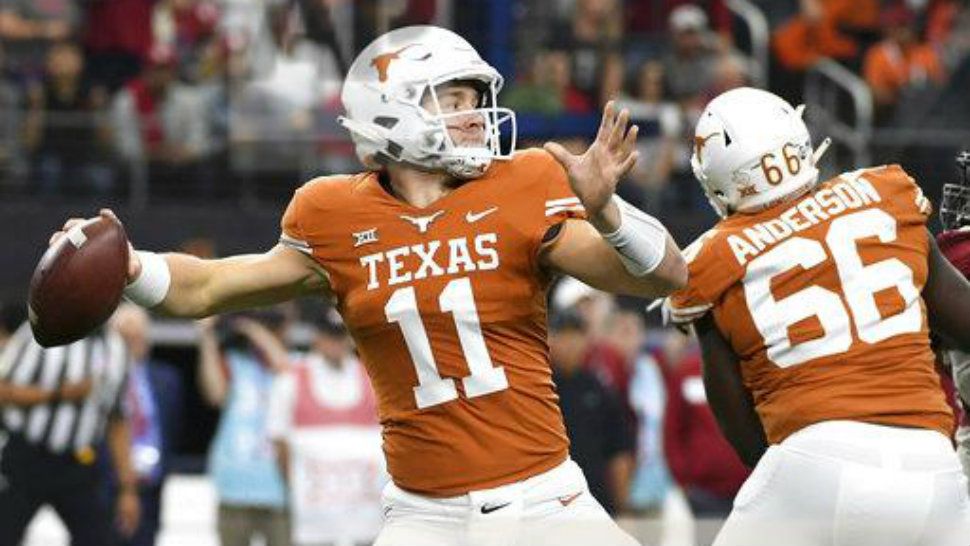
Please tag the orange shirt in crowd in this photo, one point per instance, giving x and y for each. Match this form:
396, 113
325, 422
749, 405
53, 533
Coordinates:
889, 67
803, 40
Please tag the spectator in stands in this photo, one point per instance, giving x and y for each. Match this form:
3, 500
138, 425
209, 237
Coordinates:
154, 402
118, 39
690, 68
600, 441
29, 27
732, 71
185, 26
901, 62
700, 459
292, 68
158, 121
239, 356
649, 17
594, 32
625, 336
65, 131
824, 28
548, 88
837, 29
651, 480
323, 422
273, 118
948, 30
603, 357
613, 79
659, 148
593, 305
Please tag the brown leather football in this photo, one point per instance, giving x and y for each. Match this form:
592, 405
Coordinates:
78, 282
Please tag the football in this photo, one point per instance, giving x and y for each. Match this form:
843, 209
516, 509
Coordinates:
78, 282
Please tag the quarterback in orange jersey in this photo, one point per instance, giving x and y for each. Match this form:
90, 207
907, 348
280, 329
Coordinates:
439, 258
812, 303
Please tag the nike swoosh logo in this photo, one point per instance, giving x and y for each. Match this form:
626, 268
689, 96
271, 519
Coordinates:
472, 217
489, 508
568, 499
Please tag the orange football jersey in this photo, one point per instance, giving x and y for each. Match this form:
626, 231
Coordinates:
447, 305
820, 298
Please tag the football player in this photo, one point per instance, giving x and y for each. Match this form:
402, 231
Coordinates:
812, 303
438, 258
954, 242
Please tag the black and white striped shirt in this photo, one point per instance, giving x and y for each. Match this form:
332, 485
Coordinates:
65, 426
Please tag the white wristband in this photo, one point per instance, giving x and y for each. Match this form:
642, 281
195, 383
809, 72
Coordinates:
641, 240
151, 286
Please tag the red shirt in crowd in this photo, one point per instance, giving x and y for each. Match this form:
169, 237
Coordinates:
119, 26
697, 454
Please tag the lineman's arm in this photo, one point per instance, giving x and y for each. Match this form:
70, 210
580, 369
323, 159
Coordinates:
947, 296
728, 397
581, 252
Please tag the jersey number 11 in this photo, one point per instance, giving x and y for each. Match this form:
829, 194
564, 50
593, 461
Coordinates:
432, 389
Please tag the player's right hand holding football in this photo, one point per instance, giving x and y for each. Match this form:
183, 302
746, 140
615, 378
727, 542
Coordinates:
134, 265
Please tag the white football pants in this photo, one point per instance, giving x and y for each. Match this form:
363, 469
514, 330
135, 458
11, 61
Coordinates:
846, 483
554, 508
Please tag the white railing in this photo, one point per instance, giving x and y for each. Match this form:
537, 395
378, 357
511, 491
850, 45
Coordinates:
760, 36
827, 83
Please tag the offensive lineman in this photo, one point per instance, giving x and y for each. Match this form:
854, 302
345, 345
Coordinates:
812, 303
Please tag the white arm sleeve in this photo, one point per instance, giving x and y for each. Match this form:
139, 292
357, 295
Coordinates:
641, 239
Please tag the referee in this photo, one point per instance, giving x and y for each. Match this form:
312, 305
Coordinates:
57, 406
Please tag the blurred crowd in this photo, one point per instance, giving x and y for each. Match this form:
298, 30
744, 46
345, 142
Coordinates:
206, 98
666, 59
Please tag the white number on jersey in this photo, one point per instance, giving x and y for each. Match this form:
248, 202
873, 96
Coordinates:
432, 389
860, 283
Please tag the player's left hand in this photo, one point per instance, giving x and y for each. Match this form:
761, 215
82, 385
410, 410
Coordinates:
595, 174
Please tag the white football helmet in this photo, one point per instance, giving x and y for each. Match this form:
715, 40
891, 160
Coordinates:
384, 89
752, 150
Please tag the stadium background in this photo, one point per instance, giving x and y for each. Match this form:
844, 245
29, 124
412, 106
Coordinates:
253, 93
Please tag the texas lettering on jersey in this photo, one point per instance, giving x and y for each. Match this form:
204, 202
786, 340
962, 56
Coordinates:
447, 306
405, 264
820, 299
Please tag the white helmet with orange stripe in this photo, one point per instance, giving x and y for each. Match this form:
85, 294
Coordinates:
752, 150
394, 75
